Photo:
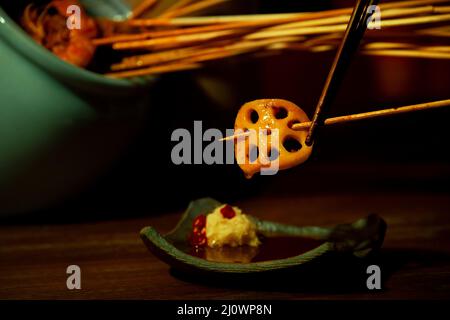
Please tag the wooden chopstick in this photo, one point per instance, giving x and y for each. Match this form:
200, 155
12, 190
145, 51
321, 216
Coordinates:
350, 43
364, 115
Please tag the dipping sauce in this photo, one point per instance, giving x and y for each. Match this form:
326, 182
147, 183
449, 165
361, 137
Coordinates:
272, 248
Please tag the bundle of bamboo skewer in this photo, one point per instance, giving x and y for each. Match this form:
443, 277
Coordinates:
172, 42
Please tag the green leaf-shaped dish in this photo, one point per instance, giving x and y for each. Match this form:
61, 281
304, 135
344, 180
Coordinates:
358, 238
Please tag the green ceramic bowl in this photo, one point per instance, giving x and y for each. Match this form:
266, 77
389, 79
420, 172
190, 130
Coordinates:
60, 125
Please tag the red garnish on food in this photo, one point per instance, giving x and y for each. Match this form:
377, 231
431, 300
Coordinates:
227, 212
198, 235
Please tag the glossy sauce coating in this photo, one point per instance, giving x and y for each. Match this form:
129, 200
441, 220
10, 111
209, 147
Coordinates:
272, 248
275, 140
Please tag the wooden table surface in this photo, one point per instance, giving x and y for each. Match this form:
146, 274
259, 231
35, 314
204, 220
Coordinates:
116, 265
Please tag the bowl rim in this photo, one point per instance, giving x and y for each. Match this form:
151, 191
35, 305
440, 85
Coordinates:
21, 42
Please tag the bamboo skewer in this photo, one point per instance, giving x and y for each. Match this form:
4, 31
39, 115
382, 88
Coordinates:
172, 40
209, 20
173, 8
122, 38
142, 7
154, 58
437, 48
154, 70
280, 24
191, 21
298, 31
370, 47
361, 116
179, 32
436, 32
188, 53
408, 53
193, 56
387, 13
201, 21
186, 31
378, 113
399, 50
387, 46
198, 39
186, 40
196, 6
341, 27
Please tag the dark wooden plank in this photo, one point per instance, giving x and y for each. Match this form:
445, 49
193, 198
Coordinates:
116, 265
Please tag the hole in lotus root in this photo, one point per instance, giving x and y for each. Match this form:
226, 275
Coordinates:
253, 153
273, 154
291, 144
280, 112
254, 116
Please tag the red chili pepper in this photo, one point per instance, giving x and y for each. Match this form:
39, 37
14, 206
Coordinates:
227, 212
198, 235
199, 222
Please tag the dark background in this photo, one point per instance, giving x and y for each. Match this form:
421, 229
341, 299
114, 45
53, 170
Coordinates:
398, 167
405, 152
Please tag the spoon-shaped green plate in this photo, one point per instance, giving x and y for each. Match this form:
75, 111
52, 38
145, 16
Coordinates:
358, 238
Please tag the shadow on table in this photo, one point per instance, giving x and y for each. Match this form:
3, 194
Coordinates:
332, 274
